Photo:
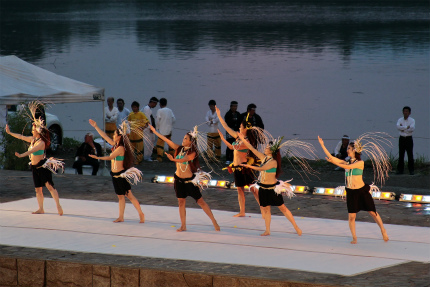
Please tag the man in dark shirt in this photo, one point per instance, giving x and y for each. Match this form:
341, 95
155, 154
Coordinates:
253, 118
86, 148
232, 118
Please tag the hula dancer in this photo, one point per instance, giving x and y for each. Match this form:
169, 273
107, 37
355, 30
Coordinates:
42, 168
270, 189
122, 170
358, 194
243, 176
188, 177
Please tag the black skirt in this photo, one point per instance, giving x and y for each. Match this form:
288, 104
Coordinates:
184, 188
243, 176
41, 175
120, 184
359, 199
268, 196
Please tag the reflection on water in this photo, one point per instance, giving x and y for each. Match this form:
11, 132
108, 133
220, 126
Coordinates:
328, 67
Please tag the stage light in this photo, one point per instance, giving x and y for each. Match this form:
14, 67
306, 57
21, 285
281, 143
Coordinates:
300, 189
385, 195
415, 198
329, 191
211, 183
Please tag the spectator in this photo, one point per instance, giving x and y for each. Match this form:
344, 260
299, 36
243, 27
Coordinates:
253, 118
232, 119
88, 147
122, 112
111, 114
147, 110
138, 118
213, 138
340, 151
406, 126
164, 121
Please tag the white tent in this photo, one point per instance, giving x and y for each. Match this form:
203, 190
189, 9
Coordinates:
21, 81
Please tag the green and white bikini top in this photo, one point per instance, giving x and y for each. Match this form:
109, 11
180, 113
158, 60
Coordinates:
354, 171
39, 152
238, 143
270, 170
181, 154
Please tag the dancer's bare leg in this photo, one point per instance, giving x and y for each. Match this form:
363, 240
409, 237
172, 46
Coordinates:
54, 194
255, 193
267, 219
182, 214
290, 217
351, 221
378, 221
241, 199
39, 197
136, 205
121, 204
208, 211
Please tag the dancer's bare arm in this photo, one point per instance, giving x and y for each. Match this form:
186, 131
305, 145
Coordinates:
169, 142
260, 155
18, 136
101, 133
329, 157
229, 145
224, 124
39, 146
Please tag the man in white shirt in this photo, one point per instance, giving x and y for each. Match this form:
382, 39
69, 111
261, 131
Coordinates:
122, 112
213, 138
340, 151
406, 126
147, 110
111, 114
164, 122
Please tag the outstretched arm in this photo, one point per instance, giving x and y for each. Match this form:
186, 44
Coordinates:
330, 158
343, 164
186, 158
118, 151
39, 146
229, 145
260, 155
169, 142
18, 136
224, 124
101, 133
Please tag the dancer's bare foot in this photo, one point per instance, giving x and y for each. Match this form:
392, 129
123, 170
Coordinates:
266, 233
239, 215
60, 210
354, 240
142, 218
39, 211
119, 219
182, 228
299, 231
385, 236
217, 228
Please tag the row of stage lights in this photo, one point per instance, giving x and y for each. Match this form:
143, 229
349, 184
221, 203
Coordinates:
385, 195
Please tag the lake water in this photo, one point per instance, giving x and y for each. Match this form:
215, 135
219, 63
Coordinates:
312, 68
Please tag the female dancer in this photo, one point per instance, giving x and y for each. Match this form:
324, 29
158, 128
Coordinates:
186, 158
243, 176
41, 167
358, 195
269, 188
121, 168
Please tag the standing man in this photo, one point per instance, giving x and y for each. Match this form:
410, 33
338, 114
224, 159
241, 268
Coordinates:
232, 119
88, 147
253, 118
147, 110
136, 140
406, 126
122, 112
164, 121
213, 138
111, 115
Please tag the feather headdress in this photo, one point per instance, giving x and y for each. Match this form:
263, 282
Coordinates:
371, 144
31, 111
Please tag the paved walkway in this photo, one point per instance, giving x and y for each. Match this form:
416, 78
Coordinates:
18, 185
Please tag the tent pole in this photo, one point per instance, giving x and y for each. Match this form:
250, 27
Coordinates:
105, 172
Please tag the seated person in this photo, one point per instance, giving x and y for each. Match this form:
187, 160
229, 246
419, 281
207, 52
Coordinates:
340, 151
86, 148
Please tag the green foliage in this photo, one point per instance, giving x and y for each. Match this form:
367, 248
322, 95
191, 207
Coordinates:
10, 145
70, 143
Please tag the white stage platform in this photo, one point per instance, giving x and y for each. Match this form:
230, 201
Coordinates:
324, 246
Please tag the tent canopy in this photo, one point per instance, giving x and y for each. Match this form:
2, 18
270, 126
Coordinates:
21, 81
